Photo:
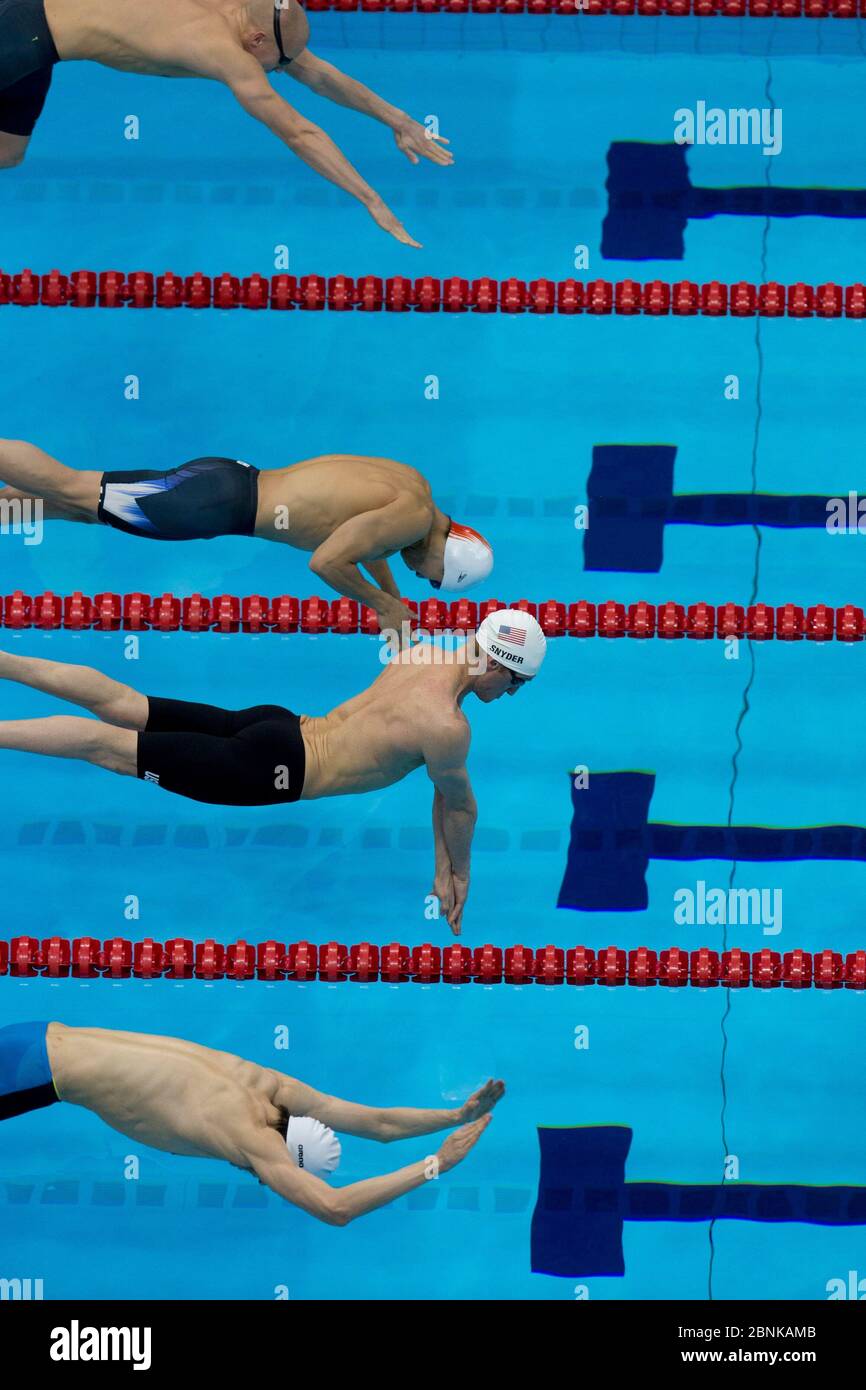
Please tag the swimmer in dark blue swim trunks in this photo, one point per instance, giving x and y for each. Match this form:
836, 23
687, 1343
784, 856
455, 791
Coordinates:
195, 1102
235, 43
348, 512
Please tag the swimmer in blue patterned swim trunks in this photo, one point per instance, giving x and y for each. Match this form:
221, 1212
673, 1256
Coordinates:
349, 512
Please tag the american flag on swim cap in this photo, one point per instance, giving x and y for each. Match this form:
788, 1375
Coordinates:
515, 635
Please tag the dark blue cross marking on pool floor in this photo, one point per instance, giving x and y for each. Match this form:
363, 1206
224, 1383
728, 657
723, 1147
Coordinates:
631, 498
583, 1200
651, 200
612, 841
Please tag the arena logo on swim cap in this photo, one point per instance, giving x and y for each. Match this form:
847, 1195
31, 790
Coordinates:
738, 126
77, 1343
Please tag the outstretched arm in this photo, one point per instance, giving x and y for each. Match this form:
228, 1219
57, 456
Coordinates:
327, 81
222, 59
339, 1205
383, 1124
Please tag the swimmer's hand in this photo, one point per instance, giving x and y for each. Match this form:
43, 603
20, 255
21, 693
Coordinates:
452, 892
384, 217
482, 1102
458, 1144
443, 889
461, 893
416, 143
396, 619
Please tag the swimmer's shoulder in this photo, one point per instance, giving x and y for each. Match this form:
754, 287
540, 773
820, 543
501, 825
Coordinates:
445, 735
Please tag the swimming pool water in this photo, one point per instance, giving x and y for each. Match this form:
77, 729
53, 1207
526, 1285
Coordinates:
766, 739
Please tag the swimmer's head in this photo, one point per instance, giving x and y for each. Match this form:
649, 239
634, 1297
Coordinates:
274, 32
452, 556
514, 645
313, 1146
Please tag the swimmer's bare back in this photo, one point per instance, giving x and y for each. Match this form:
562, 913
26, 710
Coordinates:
205, 39
193, 1101
304, 505
165, 1092
381, 735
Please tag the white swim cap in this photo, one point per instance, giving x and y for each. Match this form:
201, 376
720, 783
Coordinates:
514, 639
313, 1146
468, 559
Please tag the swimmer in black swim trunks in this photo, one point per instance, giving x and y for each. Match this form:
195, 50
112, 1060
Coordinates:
410, 717
27, 59
193, 1101
348, 512
231, 42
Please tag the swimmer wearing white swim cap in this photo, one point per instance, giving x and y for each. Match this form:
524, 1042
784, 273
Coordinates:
513, 640
192, 1101
351, 514
312, 1145
410, 717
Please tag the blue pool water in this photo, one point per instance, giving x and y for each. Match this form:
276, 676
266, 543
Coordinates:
766, 739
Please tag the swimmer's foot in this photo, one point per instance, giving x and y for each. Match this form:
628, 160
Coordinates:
482, 1102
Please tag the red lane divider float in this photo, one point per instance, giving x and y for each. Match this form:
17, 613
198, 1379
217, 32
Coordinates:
732, 9
227, 613
24, 957
141, 289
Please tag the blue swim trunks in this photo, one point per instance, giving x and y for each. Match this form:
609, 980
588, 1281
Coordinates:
25, 1072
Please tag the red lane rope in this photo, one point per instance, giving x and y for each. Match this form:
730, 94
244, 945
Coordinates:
732, 9
142, 289
179, 959
228, 613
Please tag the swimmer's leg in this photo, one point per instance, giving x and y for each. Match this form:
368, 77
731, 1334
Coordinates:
109, 700
68, 736
67, 494
13, 148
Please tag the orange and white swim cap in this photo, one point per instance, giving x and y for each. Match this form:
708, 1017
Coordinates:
468, 559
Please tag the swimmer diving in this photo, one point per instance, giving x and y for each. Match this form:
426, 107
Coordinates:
195, 1102
236, 44
410, 717
347, 511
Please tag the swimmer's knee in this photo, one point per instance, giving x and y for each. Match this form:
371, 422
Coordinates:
124, 709
13, 149
114, 749
77, 493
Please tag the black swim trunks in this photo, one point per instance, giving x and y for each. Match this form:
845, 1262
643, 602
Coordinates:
27, 58
202, 499
248, 757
